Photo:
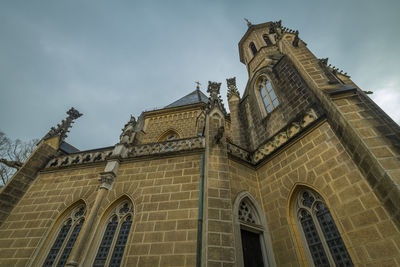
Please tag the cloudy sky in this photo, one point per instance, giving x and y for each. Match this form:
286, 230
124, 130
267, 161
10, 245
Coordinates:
110, 59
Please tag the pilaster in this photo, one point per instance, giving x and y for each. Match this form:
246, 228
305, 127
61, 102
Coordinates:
218, 248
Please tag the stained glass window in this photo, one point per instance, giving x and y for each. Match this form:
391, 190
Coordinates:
66, 238
326, 249
115, 236
268, 95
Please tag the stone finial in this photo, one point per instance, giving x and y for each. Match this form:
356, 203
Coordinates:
232, 89
248, 23
127, 131
62, 129
215, 99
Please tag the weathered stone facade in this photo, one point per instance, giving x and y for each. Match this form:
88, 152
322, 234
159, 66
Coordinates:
193, 185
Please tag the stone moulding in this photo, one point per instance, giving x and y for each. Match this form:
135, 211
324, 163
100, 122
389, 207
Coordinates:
79, 158
276, 141
133, 151
167, 147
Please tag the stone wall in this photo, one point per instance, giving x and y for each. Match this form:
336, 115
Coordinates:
320, 161
164, 193
183, 122
294, 98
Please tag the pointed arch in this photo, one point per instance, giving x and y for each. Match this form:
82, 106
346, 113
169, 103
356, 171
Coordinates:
168, 135
250, 220
316, 230
112, 234
57, 246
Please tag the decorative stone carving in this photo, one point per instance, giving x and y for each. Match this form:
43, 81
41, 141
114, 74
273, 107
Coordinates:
167, 147
218, 136
81, 158
63, 128
232, 89
127, 131
276, 141
331, 72
215, 99
238, 152
107, 180
296, 39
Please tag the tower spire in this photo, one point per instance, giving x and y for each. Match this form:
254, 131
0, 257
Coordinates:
197, 85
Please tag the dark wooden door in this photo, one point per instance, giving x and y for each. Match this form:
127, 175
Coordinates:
252, 255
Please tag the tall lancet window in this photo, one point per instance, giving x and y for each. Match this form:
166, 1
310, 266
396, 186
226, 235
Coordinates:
66, 237
114, 236
268, 95
253, 48
319, 231
253, 247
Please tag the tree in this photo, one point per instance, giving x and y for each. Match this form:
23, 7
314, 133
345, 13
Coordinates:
13, 153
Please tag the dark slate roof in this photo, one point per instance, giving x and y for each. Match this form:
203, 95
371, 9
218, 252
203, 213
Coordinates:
194, 97
67, 148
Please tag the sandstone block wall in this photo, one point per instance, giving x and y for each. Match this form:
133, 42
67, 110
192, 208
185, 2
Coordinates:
164, 193
183, 122
294, 98
320, 161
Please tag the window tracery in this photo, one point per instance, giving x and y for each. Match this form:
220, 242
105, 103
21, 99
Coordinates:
325, 245
268, 95
246, 213
115, 236
168, 136
66, 237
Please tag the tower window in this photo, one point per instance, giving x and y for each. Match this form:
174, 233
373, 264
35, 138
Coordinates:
324, 243
66, 237
253, 48
267, 40
115, 236
268, 95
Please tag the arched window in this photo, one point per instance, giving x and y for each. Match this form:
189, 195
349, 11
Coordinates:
268, 95
115, 234
253, 48
168, 136
254, 246
66, 237
267, 40
319, 231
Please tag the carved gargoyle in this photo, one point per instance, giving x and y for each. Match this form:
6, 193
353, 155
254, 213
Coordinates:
219, 135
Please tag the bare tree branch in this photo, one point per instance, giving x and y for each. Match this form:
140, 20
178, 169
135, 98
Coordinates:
12, 155
12, 163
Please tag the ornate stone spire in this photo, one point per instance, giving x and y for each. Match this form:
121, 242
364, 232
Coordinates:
232, 89
215, 99
127, 131
63, 128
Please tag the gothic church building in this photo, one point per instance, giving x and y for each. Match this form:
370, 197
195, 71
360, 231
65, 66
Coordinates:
303, 171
